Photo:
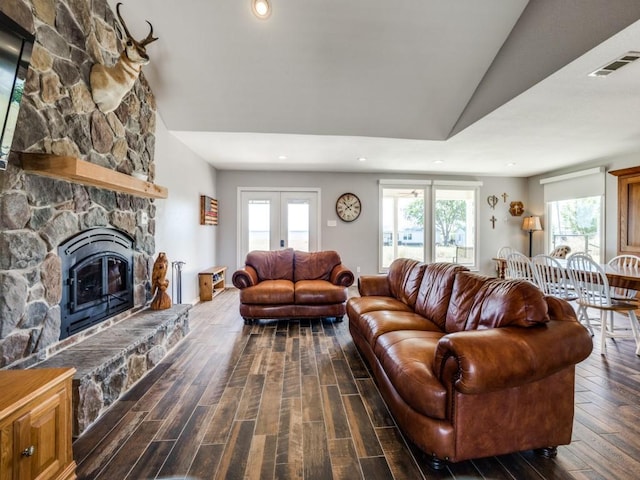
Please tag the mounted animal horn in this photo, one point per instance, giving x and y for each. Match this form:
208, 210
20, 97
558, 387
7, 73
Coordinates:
109, 85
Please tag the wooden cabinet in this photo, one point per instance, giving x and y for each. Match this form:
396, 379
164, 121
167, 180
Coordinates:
628, 210
35, 424
211, 282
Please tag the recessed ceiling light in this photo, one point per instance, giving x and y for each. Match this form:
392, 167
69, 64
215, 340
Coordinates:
438, 161
261, 8
362, 159
282, 157
511, 164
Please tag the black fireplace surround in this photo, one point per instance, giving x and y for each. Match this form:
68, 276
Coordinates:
97, 278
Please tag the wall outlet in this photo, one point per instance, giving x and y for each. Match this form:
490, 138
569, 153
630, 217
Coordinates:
331, 223
358, 269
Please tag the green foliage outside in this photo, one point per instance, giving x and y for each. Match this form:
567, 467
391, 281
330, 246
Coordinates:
578, 217
18, 89
450, 216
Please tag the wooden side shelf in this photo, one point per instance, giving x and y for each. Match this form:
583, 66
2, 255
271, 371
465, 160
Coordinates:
75, 170
211, 282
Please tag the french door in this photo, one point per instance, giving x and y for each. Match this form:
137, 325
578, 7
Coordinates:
276, 219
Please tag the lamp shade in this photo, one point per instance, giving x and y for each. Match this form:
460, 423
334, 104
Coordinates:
531, 224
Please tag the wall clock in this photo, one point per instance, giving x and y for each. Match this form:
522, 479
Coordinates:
348, 207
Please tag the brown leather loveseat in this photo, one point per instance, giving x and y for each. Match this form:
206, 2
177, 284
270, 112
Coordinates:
470, 366
292, 284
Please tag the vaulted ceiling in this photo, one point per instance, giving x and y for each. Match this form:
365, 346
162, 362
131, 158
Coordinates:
492, 87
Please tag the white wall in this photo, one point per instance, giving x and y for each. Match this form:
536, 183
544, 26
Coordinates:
357, 242
626, 160
178, 230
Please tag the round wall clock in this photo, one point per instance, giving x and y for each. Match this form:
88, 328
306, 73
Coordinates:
348, 207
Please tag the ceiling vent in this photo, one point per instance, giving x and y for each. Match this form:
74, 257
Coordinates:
617, 64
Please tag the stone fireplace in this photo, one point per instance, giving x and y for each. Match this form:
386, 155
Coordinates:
39, 215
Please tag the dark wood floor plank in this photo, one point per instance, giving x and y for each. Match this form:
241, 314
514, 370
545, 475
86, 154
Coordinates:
236, 454
335, 417
373, 402
345, 379
311, 411
184, 451
399, 458
206, 461
344, 459
91, 438
316, 460
109, 445
375, 468
251, 397
180, 414
289, 449
151, 461
131, 451
222, 420
362, 432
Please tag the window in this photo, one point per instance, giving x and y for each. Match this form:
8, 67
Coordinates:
403, 233
454, 219
575, 211
576, 223
448, 209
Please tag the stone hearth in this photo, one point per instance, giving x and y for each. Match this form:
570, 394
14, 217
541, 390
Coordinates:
111, 361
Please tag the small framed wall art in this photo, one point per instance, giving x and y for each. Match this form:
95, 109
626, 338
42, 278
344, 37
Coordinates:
208, 210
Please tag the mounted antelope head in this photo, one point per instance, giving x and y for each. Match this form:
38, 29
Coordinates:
109, 85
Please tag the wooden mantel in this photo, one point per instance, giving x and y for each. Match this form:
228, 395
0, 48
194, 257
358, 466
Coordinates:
80, 171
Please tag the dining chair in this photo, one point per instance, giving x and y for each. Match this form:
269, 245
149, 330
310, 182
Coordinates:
552, 278
519, 267
625, 263
504, 252
592, 287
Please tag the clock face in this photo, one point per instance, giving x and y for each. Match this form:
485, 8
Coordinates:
348, 207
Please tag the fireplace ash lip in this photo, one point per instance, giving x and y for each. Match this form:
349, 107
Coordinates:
97, 278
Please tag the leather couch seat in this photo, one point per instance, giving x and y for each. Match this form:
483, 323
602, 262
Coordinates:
288, 283
469, 366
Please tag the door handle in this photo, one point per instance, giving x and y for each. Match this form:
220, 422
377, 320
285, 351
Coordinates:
29, 451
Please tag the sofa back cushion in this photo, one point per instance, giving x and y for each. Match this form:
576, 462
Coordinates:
272, 265
405, 276
479, 302
314, 265
435, 291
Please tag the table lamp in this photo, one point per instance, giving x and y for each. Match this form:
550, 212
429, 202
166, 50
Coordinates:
531, 224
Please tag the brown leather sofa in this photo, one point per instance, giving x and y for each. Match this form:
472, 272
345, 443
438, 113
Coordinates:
470, 366
292, 284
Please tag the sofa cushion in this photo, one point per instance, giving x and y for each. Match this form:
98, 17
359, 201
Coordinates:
407, 359
435, 291
314, 265
356, 306
318, 292
373, 324
405, 276
269, 292
479, 302
272, 265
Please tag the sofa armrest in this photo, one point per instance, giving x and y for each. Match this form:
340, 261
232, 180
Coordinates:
341, 275
374, 285
477, 361
245, 277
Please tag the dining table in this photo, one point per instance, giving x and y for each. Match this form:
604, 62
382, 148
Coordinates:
621, 277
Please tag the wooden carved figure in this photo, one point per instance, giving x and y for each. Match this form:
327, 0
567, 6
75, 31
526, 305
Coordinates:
159, 283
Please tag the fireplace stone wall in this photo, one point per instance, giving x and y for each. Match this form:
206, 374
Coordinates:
58, 116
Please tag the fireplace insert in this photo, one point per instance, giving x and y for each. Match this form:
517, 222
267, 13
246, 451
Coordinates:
97, 278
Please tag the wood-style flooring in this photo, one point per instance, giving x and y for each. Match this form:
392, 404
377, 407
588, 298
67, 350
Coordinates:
294, 400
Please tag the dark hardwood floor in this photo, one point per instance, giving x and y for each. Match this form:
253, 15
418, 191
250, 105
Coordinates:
293, 400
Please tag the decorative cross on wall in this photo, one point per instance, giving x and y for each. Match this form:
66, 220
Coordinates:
504, 197
493, 220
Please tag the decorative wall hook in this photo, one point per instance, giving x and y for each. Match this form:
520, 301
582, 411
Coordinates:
492, 200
